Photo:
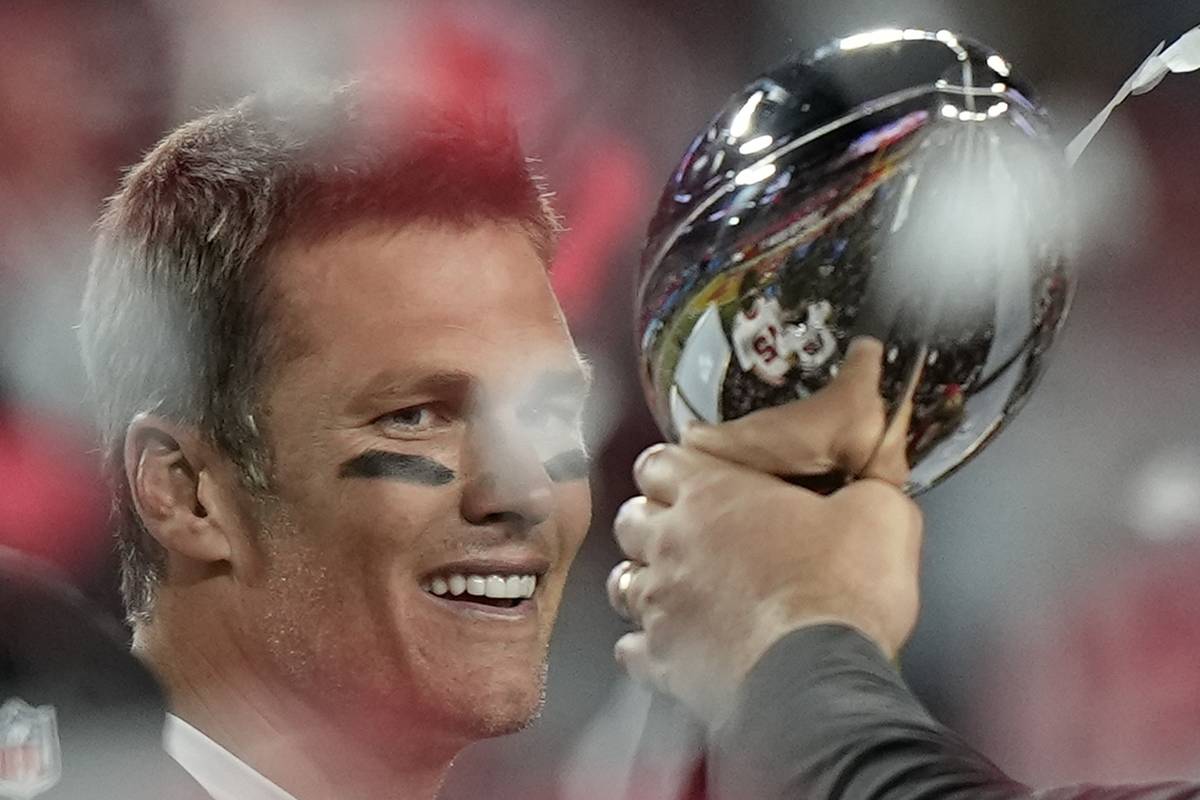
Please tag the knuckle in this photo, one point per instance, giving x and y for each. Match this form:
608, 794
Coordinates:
872, 492
653, 597
636, 596
700, 484
646, 457
657, 640
667, 547
655, 456
889, 504
876, 503
646, 593
651, 625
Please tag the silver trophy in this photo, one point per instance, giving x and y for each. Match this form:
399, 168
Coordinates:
901, 184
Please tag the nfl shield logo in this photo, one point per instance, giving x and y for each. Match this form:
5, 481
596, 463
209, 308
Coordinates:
30, 755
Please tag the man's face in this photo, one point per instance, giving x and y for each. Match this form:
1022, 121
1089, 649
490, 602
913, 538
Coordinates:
425, 443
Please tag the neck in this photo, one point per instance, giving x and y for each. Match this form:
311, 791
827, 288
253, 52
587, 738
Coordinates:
307, 752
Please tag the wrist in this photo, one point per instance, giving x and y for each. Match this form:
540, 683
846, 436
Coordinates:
770, 631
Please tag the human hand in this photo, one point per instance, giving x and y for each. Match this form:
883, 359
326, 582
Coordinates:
841, 429
732, 559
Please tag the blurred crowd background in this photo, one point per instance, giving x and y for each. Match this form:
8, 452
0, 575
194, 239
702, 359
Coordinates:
1061, 630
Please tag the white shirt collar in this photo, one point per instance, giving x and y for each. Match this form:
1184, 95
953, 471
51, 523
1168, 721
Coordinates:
222, 774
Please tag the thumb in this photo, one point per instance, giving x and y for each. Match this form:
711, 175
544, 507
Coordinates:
837, 429
890, 460
770, 440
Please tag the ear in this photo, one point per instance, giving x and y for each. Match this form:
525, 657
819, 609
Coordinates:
180, 488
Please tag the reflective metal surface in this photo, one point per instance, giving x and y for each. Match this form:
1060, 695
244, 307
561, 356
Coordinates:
899, 184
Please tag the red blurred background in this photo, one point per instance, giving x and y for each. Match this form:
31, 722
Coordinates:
1060, 629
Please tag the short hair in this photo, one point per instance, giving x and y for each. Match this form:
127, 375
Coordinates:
177, 315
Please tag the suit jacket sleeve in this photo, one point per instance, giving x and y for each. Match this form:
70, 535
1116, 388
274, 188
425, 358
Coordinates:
825, 715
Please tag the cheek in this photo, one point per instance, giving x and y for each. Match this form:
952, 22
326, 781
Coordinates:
573, 520
362, 541
381, 536
379, 517
341, 576
575, 515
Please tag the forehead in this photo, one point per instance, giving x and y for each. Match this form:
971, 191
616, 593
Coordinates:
421, 296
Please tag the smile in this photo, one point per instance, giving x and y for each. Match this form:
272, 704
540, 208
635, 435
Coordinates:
503, 591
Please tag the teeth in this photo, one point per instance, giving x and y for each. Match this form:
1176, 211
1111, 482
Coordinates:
500, 587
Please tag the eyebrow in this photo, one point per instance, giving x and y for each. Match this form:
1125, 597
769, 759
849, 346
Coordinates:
389, 382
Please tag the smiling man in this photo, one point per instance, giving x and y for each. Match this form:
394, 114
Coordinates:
340, 412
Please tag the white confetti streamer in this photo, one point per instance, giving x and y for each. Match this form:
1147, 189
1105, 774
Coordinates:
1182, 56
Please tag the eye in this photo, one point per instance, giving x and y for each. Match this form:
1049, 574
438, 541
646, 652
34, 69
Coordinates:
412, 419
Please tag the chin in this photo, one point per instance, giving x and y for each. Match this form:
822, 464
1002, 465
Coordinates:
506, 722
504, 707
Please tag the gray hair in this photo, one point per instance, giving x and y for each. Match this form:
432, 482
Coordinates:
178, 312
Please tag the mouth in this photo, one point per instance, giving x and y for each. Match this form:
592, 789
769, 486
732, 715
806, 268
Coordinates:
494, 587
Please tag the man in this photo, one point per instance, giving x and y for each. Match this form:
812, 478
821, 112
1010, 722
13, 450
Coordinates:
775, 613
340, 412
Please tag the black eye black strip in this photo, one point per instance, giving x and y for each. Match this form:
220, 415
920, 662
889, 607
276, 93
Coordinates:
572, 465
399, 467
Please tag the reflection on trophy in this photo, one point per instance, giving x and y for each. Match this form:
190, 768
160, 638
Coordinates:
900, 184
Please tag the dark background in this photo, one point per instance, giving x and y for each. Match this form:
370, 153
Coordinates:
1061, 623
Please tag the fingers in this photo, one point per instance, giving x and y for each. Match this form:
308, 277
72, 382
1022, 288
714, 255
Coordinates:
863, 364
748, 441
890, 461
838, 429
662, 471
631, 527
632, 655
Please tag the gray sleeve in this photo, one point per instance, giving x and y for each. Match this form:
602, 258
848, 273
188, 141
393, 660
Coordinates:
825, 715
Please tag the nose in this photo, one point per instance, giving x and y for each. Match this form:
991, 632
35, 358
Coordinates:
506, 481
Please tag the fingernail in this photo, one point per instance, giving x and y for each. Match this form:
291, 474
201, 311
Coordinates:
646, 455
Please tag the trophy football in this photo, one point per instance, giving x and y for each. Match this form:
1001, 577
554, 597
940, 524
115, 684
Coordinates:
901, 184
